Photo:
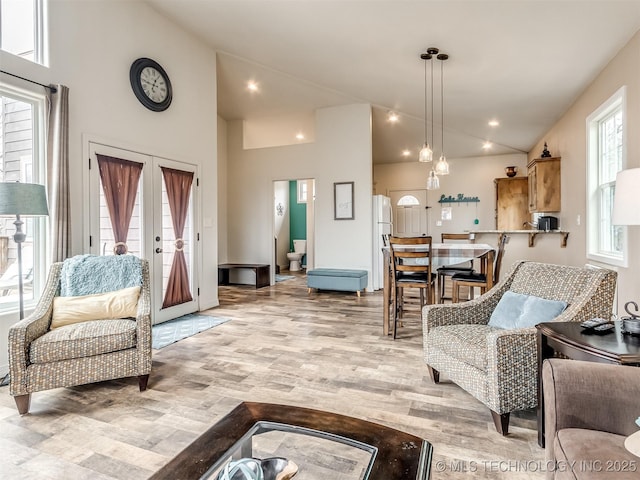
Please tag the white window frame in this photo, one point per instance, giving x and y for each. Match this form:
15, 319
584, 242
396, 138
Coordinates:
40, 33
595, 250
40, 224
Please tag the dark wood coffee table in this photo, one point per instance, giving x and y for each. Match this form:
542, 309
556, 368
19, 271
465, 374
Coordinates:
384, 453
570, 340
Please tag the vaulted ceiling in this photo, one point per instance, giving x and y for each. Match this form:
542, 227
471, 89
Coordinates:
521, 62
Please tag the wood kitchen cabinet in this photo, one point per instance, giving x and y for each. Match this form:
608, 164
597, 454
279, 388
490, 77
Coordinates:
512, 203
544, 184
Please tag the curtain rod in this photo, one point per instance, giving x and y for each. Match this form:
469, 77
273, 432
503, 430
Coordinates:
50, 87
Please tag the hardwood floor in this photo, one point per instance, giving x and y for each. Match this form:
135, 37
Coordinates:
324, 350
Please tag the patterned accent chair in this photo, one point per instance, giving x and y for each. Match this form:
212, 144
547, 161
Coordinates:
499, 366
42, 357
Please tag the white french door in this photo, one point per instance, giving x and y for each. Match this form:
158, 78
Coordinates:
409, 217
151, 230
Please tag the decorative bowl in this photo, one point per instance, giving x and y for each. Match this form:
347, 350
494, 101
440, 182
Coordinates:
511, 171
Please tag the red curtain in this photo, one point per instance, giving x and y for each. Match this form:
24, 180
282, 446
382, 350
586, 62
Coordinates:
120, 184
178, 184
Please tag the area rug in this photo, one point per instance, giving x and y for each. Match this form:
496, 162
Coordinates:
282, 278
174, 330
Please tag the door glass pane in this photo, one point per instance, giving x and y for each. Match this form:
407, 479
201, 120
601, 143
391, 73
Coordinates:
134, 238
169, 239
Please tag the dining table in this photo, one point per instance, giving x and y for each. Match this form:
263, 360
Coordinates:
443, 254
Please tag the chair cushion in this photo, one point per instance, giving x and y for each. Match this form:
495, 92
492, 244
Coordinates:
119, 304
467, 343
515, 310
594, 454
470, 277
83, 340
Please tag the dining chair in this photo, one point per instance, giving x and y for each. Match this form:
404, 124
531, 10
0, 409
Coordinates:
485, 279
450, 270
411, 268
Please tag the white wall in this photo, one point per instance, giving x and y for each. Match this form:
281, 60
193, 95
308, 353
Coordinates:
341, 153
568, 139
223, 248
281, 222
92, 46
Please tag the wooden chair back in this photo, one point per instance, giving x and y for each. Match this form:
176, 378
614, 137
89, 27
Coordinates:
460, 237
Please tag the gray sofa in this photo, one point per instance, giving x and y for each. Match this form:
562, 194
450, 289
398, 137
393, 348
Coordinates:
590, 409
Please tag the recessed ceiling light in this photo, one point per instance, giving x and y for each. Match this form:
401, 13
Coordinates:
252, 86
487, 145
406, 153
393, 117
300, 136
494, 123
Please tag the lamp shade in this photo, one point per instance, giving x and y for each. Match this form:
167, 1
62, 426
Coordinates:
626, 202
28, 199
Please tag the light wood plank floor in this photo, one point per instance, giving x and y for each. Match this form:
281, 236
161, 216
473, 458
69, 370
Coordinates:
323, 350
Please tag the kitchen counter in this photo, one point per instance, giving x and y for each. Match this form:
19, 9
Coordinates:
531, 232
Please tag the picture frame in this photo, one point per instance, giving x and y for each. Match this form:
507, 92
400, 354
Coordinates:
343, 201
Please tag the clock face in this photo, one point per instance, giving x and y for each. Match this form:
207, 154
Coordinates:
150, 84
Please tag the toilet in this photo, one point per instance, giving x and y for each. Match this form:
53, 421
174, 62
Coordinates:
299, 249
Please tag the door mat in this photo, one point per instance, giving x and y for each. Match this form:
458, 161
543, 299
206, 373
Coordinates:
282, 278
174, 330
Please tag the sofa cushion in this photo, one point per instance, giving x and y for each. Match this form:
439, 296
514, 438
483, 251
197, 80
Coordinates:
83, 340
119, 304
593, 454
467, 343
515, 310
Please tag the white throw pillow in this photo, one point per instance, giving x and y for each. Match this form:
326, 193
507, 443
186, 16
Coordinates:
102, 306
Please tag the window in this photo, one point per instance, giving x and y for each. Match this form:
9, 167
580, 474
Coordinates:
606, 157
21, 159
408, 201
22, 28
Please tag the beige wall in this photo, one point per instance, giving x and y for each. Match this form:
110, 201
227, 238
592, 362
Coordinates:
341, 153
568, 139
471, 177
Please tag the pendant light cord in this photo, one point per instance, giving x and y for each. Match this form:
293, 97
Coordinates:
426, 138
432, 117
442, 103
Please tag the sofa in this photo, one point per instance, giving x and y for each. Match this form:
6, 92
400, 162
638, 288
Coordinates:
590, 409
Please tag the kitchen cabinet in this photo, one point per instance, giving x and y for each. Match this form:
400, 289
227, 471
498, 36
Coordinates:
512, 203
544, 184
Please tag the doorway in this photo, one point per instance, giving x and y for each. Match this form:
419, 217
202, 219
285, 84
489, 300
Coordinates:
409, 212
293, 219
161, 225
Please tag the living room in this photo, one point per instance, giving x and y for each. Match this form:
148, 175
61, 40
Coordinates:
92, 45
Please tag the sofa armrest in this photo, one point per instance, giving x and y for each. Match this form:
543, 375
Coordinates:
589, 395
512, 369
143, 322
26, 331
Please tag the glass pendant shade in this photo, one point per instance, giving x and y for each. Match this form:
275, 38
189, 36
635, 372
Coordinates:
433, 182
442, 166
426, 154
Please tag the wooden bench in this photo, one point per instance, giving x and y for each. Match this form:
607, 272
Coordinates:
262, 271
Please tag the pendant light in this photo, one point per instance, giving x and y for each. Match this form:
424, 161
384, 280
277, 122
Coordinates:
442, 166
426, 154
433, 182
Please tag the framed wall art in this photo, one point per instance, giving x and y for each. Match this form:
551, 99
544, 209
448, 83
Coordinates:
343, 201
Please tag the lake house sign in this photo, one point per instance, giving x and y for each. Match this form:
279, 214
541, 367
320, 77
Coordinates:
460, 198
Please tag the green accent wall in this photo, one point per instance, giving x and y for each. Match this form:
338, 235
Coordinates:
297, 216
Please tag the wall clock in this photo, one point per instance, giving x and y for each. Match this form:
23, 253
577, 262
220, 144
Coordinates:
151, 84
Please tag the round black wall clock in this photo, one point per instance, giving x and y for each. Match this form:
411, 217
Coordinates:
151, 84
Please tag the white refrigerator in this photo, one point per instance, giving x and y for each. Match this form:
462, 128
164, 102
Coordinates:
382, 225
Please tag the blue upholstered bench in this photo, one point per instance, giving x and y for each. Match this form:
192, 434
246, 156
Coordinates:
337, 279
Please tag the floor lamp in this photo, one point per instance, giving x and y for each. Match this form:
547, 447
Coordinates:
22, 199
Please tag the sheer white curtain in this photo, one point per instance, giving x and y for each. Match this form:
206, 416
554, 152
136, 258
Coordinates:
58, 172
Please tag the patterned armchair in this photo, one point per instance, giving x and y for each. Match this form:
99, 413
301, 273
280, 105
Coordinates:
499, 366
43, 355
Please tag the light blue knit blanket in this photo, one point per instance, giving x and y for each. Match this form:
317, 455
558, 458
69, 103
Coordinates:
89, 274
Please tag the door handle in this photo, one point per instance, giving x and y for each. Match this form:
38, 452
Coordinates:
158, 250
